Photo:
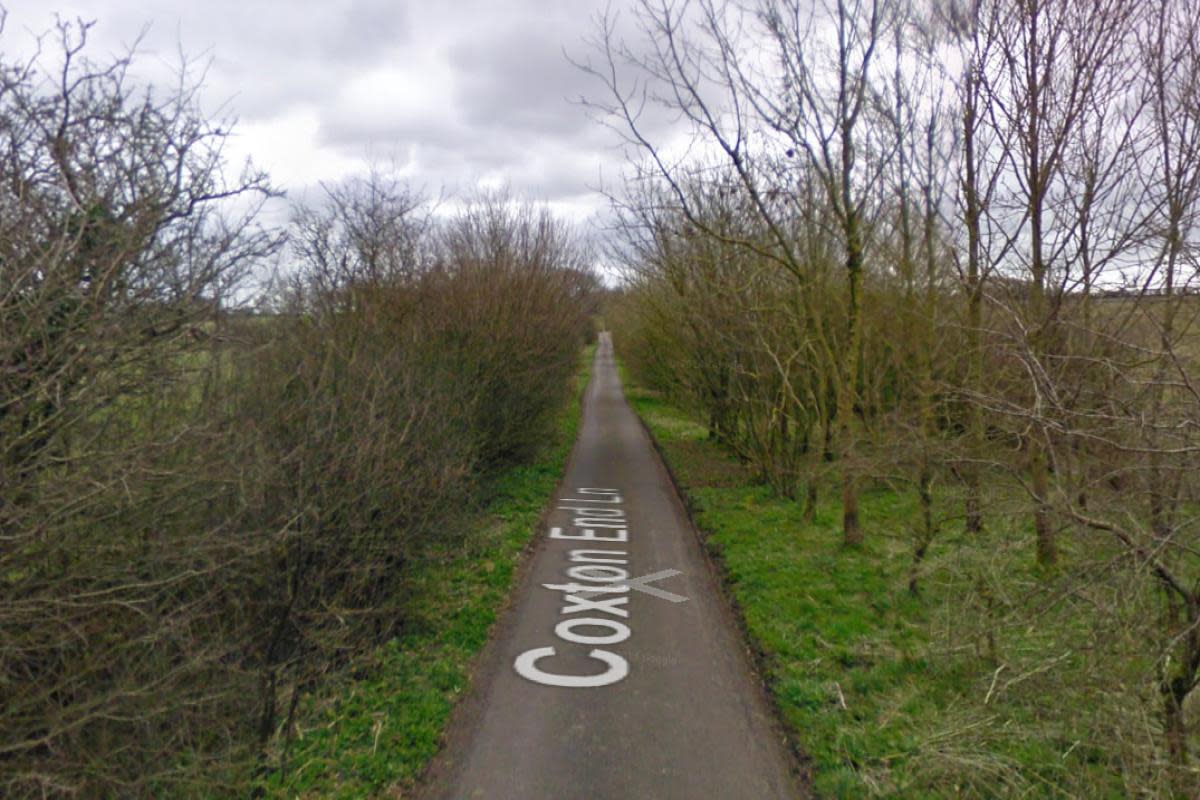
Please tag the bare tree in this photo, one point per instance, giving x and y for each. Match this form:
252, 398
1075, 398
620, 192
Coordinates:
1049, 61
121, 250
806, 104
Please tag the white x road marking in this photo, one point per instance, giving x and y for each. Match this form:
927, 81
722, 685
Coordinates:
641, 584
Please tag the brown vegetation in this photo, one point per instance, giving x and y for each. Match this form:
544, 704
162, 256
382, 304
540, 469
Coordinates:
202, 513
893, 253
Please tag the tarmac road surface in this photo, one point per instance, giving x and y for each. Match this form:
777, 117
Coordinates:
618, 673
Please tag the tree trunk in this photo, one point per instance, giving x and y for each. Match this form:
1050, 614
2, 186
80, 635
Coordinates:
852, 535
973, 211
1176, 730
1040, 322
926, 533
1043, 523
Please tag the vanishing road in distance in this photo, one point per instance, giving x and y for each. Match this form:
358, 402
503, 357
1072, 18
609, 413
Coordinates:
618, 672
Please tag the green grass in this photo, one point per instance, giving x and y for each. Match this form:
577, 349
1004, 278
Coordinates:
994, 682
373, 731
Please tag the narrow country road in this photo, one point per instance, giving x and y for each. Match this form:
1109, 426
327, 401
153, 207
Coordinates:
612, 677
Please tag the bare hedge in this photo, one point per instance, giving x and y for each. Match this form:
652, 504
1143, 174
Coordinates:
202, 513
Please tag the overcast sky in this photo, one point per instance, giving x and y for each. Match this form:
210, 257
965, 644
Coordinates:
458, 94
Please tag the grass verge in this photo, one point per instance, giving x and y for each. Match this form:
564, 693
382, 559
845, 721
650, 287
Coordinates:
372, 731
995, 681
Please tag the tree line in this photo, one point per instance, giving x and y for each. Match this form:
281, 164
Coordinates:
209, 491
943, 246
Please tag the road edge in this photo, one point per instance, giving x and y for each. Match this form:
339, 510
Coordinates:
757, 658
486, 664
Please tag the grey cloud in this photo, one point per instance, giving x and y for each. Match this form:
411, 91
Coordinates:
520, 78
266, 55
461, 90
